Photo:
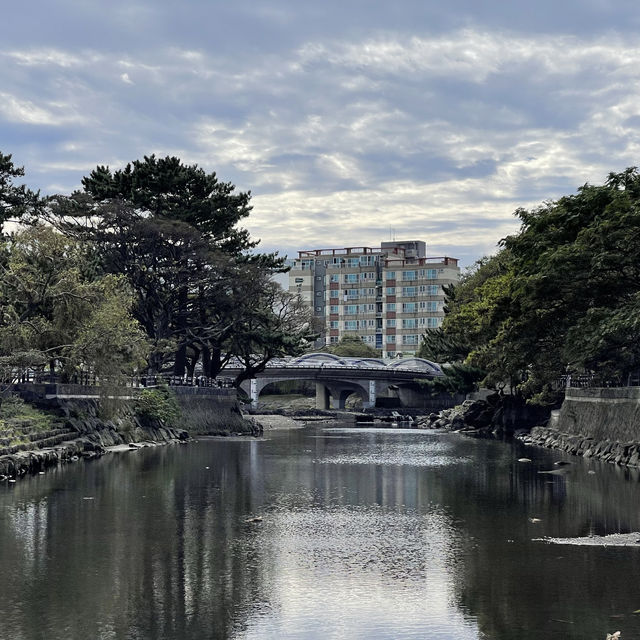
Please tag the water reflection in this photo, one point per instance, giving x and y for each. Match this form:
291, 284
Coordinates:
364, 534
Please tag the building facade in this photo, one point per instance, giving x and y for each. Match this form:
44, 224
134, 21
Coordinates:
387, 295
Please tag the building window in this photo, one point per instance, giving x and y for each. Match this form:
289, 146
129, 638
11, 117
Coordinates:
391, 291
334, 277
390, 275
351, 294
350, 325
432, 323
432, 274
334, 324
351, 309
409, 275
409, 307
353, 262
333, 339
409, 291
432, 289
334, 293
334, 308
391, 339
410, 339
391, 306
409, 323
351, 277
391, 322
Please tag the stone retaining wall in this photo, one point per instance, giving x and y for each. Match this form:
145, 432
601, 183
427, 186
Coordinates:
623, 453
602, 413
602, 423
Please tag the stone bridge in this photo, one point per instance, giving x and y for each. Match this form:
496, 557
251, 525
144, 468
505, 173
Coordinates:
338, 377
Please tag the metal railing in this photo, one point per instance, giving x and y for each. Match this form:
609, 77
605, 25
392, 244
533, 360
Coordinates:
90, 379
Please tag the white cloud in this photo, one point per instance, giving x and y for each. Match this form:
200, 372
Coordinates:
25, 111
424, 132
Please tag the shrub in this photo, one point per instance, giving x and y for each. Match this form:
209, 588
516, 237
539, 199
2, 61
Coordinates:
159, 404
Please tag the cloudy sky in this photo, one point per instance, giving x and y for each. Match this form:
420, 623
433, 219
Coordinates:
349, 121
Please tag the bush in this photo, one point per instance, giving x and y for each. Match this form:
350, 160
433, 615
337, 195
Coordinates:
159, 405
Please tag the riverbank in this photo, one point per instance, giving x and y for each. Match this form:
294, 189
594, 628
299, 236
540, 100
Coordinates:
497, 415
620, 453
36, 436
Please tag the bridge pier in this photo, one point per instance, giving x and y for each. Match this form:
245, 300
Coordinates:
322, 397
254, 394
372, 395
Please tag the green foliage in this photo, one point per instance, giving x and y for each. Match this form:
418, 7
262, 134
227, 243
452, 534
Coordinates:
458, 378
353, 346
159, 405
148, 270
438, 346
562, 294
55, 310
200, 294
15, 413
15, 200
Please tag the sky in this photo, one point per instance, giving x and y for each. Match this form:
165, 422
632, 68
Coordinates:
350, 122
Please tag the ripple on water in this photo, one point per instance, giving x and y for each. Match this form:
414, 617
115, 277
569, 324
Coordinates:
430, 453
366, 572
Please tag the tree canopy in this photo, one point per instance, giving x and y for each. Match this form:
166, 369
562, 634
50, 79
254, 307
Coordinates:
562, 295
15, 200
200, 290
54, 311
351, 345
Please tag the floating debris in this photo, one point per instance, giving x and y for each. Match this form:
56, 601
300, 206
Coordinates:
534, 520
255, 519
611, 540
524, 459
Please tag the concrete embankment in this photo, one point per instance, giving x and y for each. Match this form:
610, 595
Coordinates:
601, 423
595, 423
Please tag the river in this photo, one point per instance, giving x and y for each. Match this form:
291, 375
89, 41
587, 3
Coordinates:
320, 533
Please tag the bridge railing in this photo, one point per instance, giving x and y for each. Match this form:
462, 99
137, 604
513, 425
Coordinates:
90, 379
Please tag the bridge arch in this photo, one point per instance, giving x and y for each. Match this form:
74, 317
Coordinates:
417, 364
318, 358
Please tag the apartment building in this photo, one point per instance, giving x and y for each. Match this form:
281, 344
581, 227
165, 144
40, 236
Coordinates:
387, 295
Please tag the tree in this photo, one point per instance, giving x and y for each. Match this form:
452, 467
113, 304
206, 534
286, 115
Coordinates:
171, 192
562, 294
15, 200
273, 323
351, 345
55, 311
202, 294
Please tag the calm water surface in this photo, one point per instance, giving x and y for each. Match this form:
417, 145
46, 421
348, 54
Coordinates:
364, 534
